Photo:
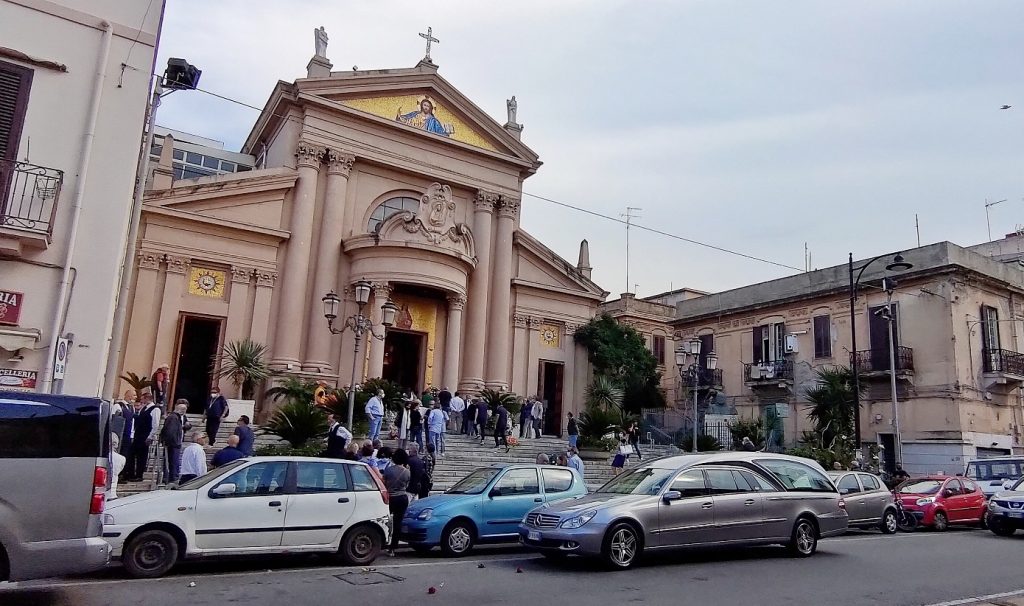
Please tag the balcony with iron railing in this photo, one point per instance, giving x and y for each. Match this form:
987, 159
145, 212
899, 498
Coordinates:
1009, 364
768, 373
875, 362
706, 379
28, 204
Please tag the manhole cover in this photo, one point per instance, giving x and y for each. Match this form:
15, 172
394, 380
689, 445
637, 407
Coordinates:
368, 578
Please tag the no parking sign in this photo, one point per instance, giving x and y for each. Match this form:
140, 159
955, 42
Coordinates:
60, 361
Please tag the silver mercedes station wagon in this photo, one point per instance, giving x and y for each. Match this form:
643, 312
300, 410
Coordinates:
726, 498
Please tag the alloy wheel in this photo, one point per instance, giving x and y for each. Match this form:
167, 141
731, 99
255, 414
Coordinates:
622, 547
889, 523
459, 539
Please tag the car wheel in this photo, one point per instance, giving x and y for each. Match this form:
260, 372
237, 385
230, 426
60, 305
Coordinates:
361, 545
940, 523
422, 549
150, 554
804, 541
889, 525
621, 546
1001, 528
457, 539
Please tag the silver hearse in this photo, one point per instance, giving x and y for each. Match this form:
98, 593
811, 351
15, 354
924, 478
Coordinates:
725, 498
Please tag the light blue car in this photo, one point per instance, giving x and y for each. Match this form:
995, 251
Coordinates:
486, 506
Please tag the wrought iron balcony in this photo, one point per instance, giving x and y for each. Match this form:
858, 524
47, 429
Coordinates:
706, 379
28, 196
765, 373
876, 361
1003, 361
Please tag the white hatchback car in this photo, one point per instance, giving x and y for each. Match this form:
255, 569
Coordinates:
256, 505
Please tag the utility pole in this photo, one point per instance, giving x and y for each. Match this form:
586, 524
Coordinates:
632, 212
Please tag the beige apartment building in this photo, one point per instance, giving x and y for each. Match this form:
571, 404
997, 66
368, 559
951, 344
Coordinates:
389, 176
74, 83
957, 333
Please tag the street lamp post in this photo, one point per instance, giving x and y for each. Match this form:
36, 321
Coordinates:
359, 325
889, 284
692, 370
898, 263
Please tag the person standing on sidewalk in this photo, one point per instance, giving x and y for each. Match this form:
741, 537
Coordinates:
436, 422
216, 410
375, 413
396, 479
172, 434
573, 429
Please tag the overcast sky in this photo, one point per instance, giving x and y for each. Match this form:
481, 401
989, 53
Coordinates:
754, 126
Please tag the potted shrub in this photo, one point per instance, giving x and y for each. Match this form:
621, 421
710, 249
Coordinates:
243, 361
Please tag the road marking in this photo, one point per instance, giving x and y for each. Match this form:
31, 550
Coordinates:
980, 598
323, 569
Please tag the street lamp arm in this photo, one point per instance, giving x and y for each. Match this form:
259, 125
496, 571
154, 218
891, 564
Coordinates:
861, 271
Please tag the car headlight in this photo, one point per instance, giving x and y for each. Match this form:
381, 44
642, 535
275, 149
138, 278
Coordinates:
926, 501
991, 505
579, 520
425, 515
108, 519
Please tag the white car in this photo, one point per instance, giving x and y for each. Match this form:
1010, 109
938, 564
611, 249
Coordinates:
256, 505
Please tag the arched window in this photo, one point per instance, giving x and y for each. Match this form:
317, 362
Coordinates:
389, 207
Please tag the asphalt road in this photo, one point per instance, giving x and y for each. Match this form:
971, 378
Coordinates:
924, 568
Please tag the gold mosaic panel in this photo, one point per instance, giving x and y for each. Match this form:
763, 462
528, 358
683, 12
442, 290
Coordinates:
550, 335
419, 315
422, 112
205, 282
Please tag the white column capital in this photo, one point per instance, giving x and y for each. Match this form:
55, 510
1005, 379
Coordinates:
456, 301
265, 278
508, 208
308, 154
177, 264
339, 162
241, 275
148, 260
485, 201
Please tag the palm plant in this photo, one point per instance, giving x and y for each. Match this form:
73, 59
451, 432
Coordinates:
832, 406
596, 423
292, 389
493, 397
297, 422
392, 392
243, 361
605, 393
138, 383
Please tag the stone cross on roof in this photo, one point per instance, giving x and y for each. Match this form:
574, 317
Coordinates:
429, 38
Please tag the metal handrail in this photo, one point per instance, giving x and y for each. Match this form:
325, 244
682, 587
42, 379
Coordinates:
1003, 360
877, 359
29, 195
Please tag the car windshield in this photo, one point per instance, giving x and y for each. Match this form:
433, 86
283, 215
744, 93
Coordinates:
203, 479
476, 482
921, 487
647, 480
1018, 485
994, 470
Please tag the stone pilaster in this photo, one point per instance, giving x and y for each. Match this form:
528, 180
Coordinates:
289, 327
453, 340
175, 285
238, 299
265, 281
381, 294
318, 347
472, 379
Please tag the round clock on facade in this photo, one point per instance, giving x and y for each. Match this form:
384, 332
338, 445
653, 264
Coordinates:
549, 336
207, 282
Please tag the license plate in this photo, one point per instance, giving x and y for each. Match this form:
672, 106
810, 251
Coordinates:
533, 535
1015, 515
405, 528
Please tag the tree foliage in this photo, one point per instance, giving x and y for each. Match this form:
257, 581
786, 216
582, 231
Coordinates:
832, 405
619, 353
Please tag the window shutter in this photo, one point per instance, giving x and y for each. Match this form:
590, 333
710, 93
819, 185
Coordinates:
14, 87
758, 339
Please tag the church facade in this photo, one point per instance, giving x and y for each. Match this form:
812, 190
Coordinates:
389, 176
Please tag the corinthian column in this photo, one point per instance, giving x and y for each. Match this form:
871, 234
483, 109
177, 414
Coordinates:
288, 334
381, 293
479, 286
453, 340
499, 322
328, 253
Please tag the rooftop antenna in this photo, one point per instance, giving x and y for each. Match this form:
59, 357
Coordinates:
632, 212
917, 226
988, 221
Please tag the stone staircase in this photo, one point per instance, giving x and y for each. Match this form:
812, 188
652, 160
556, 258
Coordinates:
462, 456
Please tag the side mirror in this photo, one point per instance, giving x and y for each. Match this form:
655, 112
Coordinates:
223, 490
844, 491
495, 492
672, 495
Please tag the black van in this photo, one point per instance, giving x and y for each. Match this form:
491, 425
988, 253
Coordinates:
53, 476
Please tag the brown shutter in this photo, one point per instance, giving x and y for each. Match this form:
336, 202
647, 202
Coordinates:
15, 82
757, 343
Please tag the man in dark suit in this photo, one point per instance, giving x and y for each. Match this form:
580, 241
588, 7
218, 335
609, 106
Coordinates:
481, 418
147, 417
501, 426
417, 472
338, 436
216, 409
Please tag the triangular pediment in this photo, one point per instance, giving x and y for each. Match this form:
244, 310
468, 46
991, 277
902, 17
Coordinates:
413, 100
540, 267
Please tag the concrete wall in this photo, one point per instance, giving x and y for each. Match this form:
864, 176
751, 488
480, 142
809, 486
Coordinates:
69, 32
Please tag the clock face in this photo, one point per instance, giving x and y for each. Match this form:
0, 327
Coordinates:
207, 282
549, 336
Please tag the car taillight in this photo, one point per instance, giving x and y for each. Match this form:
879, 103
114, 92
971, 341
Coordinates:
842, 503
99, 489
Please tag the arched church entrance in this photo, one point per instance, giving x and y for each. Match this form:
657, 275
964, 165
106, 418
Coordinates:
412, 346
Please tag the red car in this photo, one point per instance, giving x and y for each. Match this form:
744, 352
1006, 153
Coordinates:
939, 501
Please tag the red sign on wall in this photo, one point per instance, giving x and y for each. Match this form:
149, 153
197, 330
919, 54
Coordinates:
18, 380
10, 307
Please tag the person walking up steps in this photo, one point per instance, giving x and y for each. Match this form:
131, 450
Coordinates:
538, 418
481, 418
573, 429
501, 426
436, 424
